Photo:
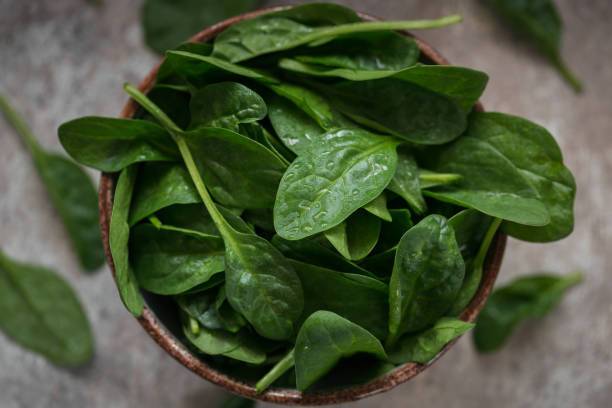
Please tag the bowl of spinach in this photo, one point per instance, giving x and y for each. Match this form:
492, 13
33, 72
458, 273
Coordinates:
306, 205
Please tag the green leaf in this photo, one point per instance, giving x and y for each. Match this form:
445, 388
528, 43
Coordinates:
118, 241
211, 310
351, 167
405, 181
493, 178
239, 172
427, 276
166, 73
166, 23
470, 228
358, 298
161, 185
378, 207
110, 145
540, 23
524, 298
309, 24
324, 339
71, 191
40, 311
425, 346
226, 105
169, 261
357, 236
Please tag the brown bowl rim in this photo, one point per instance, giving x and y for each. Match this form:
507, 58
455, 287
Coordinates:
172, 346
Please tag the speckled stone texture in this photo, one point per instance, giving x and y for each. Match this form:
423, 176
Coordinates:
60, 59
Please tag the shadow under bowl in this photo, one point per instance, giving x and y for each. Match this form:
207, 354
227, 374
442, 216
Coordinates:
159, 317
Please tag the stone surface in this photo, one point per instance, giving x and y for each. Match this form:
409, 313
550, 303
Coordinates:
62, 59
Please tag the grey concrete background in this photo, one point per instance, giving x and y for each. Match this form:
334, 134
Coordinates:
60, 59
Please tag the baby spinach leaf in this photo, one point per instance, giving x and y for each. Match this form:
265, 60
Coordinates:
71, 190
167, 75
324, 339
40, 311
350, 167
378, 207
314, 252
109, 144
357, 236
392, 232
310, 24
405, 181
470, 228
239, 172
296, 129
118, 241
166, 23
211, 310
423, 347
169, 261
173, 100
260, 283
539, 22
161, 185
492, 180
524, 298
427, 276
226, 105
261, 135
358, 298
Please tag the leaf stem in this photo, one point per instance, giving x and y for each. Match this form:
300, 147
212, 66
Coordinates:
22, 129
177, 136
567, 74
276, 372
438, 178
486, 243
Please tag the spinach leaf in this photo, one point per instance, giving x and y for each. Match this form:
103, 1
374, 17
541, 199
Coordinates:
392, 232
378, 207
357, 236
538, 21
261, 135
173, 100
226, 105
240, 172
161, 185
309, 24
260, 283
109, 144
324, 339
296, 129
211, 310
350, 167
470, 228
166, 23
168, 261
359, 298
314, 252
71, 191
166, 74
524, 298
119, 238
40, 311
425, 346
405, 181
427, 276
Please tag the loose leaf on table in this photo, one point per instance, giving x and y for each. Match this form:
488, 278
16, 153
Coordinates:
161, 185
166, 23
357, 236
309, 24
260, 283
324, 339
119, 240
315, 252
359, 298
423, 104
378, 207
239, 172
540, 23
405, 181
511, 169
169, 261
423, 347
40, 311
320, 189
426, 278
109, 144
226, 105
72, 193
524, 298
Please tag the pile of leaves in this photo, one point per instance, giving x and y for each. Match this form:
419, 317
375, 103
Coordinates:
314, 197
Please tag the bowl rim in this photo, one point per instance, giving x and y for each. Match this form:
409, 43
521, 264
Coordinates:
178, 351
